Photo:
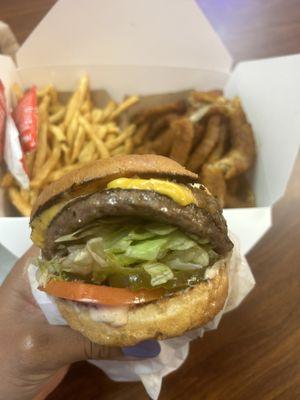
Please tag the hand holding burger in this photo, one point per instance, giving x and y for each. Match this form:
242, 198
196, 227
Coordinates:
35, 356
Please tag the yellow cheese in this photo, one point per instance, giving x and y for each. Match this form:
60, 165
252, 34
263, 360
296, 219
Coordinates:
179, 193
41, 223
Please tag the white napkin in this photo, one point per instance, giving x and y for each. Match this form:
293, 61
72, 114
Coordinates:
8, 41
173, 351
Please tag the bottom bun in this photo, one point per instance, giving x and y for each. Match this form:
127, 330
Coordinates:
162, 319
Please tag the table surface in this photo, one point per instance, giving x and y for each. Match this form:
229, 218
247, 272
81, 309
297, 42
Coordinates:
256, 350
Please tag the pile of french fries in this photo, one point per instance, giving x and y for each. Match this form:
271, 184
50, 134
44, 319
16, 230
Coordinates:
203, 131
69, 136
208, 134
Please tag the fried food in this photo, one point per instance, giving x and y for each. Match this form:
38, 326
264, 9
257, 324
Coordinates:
206, 97
18, 201
242, 154
207, 144
163, 144
203, 131
239, 193
220, 147
182, 140
70, 135
41, 151
48, 167
213, 178
7, 180
178, 107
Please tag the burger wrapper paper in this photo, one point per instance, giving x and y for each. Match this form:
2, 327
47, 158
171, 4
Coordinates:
173, 351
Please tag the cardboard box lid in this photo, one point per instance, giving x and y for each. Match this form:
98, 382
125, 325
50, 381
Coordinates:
269, 91
125, 32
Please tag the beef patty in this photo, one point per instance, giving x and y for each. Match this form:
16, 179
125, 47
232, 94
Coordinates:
205, 220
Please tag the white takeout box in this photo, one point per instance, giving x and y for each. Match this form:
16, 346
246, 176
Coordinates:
144, 47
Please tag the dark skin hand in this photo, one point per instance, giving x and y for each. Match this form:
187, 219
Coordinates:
32, 352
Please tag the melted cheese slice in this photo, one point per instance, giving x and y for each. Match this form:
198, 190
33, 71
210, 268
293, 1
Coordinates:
40, 224
179, 193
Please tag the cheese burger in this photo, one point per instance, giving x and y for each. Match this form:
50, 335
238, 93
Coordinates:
132, 248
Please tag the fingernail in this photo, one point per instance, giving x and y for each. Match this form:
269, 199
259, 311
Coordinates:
146, 349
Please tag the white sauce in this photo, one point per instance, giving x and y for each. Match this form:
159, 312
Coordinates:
211, 272
112, 315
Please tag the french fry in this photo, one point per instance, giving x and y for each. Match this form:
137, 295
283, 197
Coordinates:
112, 144
97, 115
54, 108
29, 162
7, 180
100, 131
205, 147
88, 116
107, 111
87, 153
76, 100
129, 102
55, 175
110, 137
78, 144
57, 132
45, 91
58, 116
24, 194
128, 146
43, 107
66, 151
83, 88
72, 129
41, 150
72, 107
48, 167
111, 127
100, 146
18, 201
53, 94
118, 150
33, 193
86, 106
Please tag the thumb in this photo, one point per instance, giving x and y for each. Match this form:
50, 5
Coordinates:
68, 346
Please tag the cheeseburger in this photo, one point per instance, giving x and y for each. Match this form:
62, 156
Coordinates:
132, 248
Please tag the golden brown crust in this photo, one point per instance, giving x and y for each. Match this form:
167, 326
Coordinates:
112, 168
162, 319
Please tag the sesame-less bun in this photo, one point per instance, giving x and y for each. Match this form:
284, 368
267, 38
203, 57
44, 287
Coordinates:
98, 173
161, 319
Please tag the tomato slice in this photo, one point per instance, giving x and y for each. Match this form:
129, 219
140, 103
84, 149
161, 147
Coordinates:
105, 295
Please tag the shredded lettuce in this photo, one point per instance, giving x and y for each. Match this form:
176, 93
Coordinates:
159, 273
115, 250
